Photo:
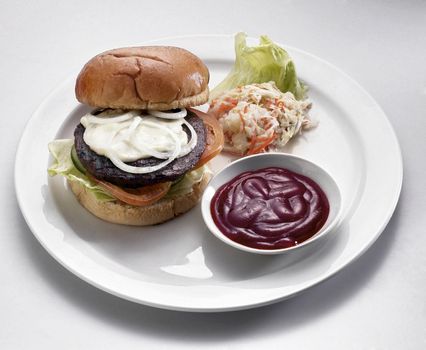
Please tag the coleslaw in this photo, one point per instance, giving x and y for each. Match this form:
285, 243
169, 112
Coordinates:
259, 117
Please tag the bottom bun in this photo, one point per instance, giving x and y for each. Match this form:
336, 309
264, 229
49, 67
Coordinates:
157, 213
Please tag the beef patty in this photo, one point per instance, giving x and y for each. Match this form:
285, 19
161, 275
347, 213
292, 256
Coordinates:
103, 169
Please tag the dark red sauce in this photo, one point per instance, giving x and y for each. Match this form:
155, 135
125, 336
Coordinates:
270, 208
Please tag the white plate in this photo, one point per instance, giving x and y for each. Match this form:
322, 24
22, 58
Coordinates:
180, 265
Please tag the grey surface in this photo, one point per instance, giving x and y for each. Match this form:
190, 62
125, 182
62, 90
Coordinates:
377, 302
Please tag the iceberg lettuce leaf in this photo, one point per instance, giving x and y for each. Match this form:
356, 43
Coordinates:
185, 184
259, 64
63, 165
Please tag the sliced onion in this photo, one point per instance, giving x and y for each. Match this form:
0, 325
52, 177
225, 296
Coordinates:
134, 169
112, 155
106, 120
191, 144
154, 153
128, 135
169, 115
151, 152
129, 132
184, 151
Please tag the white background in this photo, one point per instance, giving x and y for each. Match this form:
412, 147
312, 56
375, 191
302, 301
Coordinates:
378, 302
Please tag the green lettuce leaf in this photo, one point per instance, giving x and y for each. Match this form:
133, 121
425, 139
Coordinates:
63, 165
184, 185
260, 64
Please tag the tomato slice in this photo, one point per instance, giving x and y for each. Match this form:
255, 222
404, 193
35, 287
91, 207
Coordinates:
214, 137
147, 195
138, 197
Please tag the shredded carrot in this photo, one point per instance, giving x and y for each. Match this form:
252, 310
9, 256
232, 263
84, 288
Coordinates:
253, 142
223, 108
266, 142
231, 100
255, 123
227, 106
243, 124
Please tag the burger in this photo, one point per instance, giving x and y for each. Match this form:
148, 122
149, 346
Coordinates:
140, 156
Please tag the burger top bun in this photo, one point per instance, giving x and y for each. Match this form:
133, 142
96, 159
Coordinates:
149, 77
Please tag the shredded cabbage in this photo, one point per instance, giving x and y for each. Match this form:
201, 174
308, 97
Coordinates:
259, 117
259, 64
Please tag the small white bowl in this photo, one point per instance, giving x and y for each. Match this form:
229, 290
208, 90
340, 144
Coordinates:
294, 163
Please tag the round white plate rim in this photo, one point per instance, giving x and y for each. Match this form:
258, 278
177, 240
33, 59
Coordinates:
243, 305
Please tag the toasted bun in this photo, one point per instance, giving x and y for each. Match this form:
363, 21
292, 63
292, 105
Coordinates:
149, 77
159, 212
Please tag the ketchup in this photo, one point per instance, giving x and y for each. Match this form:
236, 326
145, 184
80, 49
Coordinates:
270, 208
